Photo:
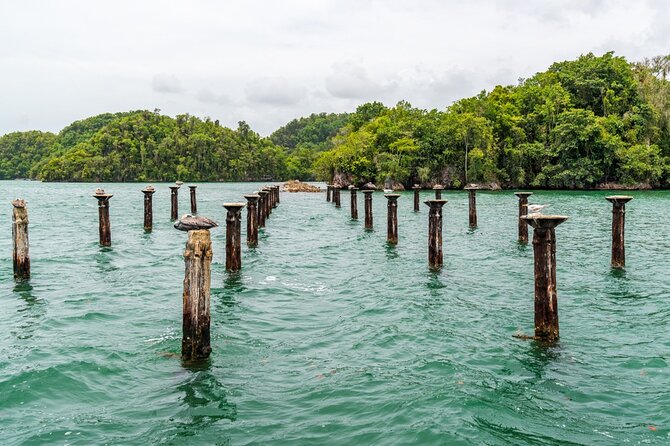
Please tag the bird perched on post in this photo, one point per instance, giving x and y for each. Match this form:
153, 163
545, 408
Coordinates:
536, 209
190, 223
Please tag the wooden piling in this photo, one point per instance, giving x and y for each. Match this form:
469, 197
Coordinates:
438, 191
275, 195
618, 226
472, 206
252, 220
368, 208
104, 226
268, 202
21, 252
523, 211
233, 236
354, 202
392, 219
435, 256
148, 207
174, 202
195, 344
194, 204
546, 296
262, 208
329, 189
416, 189
336, 196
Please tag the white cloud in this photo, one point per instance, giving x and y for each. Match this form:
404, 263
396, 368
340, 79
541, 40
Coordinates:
166, 83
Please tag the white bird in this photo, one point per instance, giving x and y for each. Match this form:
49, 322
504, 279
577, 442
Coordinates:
536, 208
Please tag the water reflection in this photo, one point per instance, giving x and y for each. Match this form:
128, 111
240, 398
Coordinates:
391, 251
539, 355
32, 313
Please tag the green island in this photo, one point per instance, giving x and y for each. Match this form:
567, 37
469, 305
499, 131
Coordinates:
593, 122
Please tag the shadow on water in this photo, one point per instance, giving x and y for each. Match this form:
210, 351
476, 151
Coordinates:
539, 355
104, 260
391, 251
204, 403
31, 313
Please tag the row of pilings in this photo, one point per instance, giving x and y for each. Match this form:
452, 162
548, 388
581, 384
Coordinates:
544, 241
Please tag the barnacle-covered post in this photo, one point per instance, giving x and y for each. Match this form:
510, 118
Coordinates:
416, 189
438, 191
523, 211
262, 207
252, 220
354, 202
392, 218
435, 257
618, 226
174, 202
21, 254
104, 226
148, 207
368, 208
233, 236
546, 296
195, 343
472, 206
194, 204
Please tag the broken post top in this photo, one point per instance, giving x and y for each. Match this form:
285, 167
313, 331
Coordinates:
174, 188
101, 195
19, 203
541, 221
192, 187
435, 203
178, 183
149, 190
523, 194
619, 199
252, 198
352, 187
471, 187
234, 207
438, 187
392, 197
368, 191
190, 223
263, 192
416, 187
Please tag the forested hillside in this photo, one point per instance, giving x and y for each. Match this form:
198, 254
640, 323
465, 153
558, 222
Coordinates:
596, 121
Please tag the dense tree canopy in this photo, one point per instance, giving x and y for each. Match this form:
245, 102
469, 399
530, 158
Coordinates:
581, 124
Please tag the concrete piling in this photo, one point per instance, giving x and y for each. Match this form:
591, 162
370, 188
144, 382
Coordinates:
354, 202
336, 196
174, 202
392, 218
368, 208
416, 189
262, 207
618, 226
472, 206
329, 190
148, 207
233, 236
523, 211
21, 252
104, 226
435, 256
438, 191
546, 296
252, 220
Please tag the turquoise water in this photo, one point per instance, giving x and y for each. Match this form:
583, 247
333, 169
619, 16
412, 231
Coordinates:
328, 335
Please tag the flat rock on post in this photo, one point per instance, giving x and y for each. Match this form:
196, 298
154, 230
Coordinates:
191, 223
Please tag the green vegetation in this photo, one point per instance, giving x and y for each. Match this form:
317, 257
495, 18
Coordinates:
580, 124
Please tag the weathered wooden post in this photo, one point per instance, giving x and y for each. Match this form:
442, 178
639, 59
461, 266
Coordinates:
392, 218
438, 191
329, 189
195, 343
523, 211
275, 195
21, 254
262, 207
416, 189
368, 208
268, 202
103, 217
336, 196
252, 220
194, 204
435, 257
148, 207
233, 237
618, 226
354, 202
472, 206
278, 189
174, 202
546, 296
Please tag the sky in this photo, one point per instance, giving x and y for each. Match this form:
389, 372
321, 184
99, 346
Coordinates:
267, 62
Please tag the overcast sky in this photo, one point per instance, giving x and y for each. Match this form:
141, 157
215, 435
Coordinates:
267, 62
